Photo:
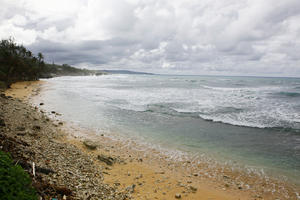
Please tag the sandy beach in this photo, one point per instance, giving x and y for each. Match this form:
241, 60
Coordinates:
122, 171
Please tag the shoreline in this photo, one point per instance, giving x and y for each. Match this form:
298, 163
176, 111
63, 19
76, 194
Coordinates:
159, 177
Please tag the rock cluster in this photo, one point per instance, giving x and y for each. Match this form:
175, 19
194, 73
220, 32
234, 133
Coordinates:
61, 170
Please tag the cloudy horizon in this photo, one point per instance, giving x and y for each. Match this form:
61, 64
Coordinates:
232, 37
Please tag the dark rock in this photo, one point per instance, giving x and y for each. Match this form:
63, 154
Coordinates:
21, 133
107, 159
53, 112
42, 170
193, 189
20, 128
41, 104
36, 127
130, 188
226, 177
178, 196
2, 123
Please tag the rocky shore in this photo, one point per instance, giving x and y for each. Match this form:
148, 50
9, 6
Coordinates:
61, 170
69, 163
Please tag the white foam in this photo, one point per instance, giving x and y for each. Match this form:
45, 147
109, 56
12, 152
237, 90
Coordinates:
251, 106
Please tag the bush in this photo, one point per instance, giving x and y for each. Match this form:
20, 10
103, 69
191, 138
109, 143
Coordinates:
15, 183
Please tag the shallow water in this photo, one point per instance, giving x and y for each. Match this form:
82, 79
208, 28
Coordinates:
248, 120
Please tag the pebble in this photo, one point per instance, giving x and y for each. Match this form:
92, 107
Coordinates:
194, 189
178, 196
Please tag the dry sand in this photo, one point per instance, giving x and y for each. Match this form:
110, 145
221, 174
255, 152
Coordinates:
23, 90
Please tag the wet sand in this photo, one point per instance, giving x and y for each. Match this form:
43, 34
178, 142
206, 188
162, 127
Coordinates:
157, 176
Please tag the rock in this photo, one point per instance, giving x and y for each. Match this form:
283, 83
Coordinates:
2, 123
130, 188
195, 174
60, 123
41, 104
20, 128
21, 133
36, 127
117, 184
193, 189
107, 159
226, 177
139, 176
178, 196
90, 144
53, 112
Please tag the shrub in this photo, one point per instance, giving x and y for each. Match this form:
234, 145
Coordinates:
15, 183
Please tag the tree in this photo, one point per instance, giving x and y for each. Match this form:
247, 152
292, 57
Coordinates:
17, 63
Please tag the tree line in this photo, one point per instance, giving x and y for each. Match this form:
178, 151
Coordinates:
18, 63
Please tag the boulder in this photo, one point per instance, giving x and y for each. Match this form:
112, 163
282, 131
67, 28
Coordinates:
90, 144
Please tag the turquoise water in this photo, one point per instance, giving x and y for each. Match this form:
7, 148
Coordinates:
252, 121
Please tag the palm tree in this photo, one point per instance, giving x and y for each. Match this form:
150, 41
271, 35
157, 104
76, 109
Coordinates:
40, 56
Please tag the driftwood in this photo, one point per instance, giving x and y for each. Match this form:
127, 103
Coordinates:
33, 168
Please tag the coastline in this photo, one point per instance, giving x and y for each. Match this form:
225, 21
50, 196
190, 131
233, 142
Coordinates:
154, 177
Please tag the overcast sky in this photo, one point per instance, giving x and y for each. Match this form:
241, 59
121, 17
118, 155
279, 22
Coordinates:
230, 37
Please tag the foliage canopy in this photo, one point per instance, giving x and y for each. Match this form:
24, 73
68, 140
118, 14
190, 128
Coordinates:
18, 64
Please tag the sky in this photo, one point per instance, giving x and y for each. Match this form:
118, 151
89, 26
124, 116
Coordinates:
222, 37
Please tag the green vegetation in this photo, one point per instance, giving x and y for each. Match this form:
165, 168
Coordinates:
52, 70
19, 64
15, 183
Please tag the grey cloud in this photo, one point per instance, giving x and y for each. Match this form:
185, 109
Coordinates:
236, 36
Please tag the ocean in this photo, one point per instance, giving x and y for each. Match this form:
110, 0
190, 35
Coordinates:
252, 122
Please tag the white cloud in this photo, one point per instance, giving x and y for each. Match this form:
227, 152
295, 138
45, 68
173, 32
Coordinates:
208, 36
